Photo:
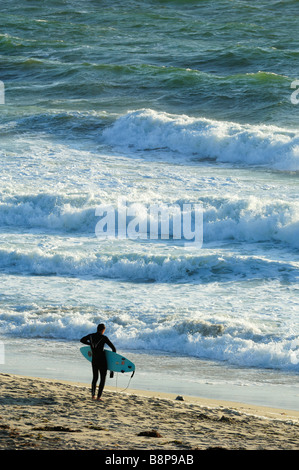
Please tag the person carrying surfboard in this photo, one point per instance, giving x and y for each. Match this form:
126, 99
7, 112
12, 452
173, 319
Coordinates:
97, 341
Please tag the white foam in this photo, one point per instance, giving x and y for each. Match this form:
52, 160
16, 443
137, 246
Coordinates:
230, 217
139, 266
47, 211
202, 138
251, 219
239, 342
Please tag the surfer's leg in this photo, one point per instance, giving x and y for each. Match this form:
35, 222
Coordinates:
103, 373
95, 373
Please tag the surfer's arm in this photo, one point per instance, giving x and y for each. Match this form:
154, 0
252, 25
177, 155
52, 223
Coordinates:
111, 345
85, 340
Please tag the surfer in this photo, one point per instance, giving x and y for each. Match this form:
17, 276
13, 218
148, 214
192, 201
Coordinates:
99, 364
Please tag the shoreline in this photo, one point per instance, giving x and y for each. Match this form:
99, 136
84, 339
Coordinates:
48, 414
159, 372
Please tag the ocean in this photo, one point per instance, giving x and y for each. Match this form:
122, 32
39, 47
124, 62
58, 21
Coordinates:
164, 103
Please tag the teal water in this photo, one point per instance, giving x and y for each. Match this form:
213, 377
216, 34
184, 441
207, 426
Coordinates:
234, 61
165, 102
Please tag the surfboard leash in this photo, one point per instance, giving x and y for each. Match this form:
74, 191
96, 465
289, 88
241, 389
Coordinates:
128, 382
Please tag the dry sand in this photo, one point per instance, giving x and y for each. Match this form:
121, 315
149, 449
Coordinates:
44, 414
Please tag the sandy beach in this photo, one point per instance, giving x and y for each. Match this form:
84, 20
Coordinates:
44, 414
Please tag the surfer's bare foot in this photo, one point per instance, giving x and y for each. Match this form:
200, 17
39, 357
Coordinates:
99, 399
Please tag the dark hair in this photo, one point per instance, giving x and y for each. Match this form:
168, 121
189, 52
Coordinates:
101, 327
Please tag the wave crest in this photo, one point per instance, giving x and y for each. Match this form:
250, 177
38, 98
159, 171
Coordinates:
221, 141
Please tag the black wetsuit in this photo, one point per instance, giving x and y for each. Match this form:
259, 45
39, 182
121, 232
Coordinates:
97, 341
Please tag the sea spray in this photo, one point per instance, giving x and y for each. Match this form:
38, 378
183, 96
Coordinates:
202, 139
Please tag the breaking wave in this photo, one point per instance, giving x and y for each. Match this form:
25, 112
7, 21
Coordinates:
200, 138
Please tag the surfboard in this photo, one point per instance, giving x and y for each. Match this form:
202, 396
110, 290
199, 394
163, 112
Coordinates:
115, 362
